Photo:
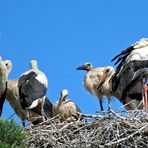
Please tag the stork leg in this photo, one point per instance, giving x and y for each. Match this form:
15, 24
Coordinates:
144, 93
100, 98
42, 109
142, 90
28, 117
145, 88
101, 107
109, 108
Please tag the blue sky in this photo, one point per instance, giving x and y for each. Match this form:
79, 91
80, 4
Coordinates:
63, 34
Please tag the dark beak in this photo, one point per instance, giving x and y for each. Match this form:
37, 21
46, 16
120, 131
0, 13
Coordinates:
83, 67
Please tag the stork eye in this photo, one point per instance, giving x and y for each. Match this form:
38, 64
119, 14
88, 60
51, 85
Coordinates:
88, 64
107, 70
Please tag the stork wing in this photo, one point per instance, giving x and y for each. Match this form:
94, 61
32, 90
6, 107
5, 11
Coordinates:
98, 76
47, 107
132, 73
93, 80
122, 57
30, 89
140, 44
133, 89
33, 89
137, 51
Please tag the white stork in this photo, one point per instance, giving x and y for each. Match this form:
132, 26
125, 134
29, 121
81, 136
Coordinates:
132, 72
96, 81
32, 88
35, 114
3, 81
64, 107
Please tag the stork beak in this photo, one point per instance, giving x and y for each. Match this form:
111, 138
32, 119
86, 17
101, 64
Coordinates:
83, 67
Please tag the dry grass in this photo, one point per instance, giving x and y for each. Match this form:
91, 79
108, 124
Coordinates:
123, 129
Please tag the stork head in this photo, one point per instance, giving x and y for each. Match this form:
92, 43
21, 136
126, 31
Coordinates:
34, 64
64, 93
8, 64
3, 68
87, 66
109, 70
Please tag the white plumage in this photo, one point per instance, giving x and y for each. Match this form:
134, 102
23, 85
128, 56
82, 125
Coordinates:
140, 51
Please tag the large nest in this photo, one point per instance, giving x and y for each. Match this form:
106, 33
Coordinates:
121, 129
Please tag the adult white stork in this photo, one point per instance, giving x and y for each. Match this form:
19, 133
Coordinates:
132, 72
64, 107
96, 81
3, 81
35, 114
32, 88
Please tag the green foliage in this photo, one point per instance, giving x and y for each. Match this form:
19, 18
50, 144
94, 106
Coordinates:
11, 134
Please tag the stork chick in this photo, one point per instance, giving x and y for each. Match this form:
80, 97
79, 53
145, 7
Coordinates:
96, 82
65, 108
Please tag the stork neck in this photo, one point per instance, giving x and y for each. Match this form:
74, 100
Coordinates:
89, 69
62, 99
3, 72
3, 77
8, 71
34, 65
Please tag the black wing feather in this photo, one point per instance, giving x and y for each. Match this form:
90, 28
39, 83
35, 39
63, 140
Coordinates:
139, 75
124, 52
129, 73
122, 57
